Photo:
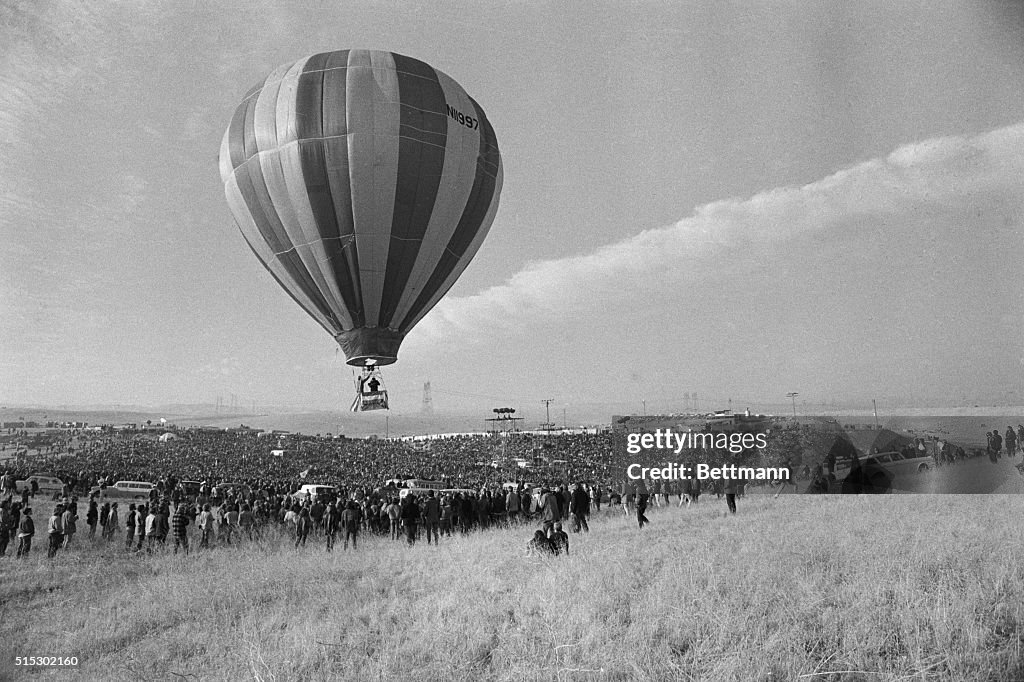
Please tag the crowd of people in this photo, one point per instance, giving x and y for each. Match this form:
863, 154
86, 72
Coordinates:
218, 486
243, 456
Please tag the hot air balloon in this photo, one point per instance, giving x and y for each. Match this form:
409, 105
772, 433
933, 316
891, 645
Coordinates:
364, 181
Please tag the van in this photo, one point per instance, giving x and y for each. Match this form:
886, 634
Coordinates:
48, 484
312, 492
420, 493
420, 483
126, 490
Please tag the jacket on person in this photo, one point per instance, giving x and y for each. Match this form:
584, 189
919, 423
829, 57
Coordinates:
579, 503
432, 510
350, 519
179, 522
550, 509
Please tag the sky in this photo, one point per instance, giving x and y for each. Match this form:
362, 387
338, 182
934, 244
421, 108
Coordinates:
731, 200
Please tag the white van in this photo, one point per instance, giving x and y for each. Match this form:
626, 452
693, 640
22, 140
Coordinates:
312, 491
126, 490
48, 484
420, 493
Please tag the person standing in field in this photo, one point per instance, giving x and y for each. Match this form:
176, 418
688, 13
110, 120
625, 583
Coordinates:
432, 517
512, 503
179, 528
141, 515
730, 489
69, 522
350, 519
330, 520
111, 528
229, 521
206, 521
247, 521
129, 526
641, 496
394, 516
6, 525
91, 517
410, 517
55, 532
163, 524
446, 515
302, 528
550, 511
1011, 442
579, 507
26, 529
151, 528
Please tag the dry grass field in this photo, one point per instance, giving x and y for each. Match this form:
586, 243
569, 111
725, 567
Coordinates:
799, 588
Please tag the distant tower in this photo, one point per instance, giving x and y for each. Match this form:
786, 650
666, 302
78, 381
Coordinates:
428, 403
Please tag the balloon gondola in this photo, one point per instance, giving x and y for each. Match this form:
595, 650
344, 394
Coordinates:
364, 181
370, 391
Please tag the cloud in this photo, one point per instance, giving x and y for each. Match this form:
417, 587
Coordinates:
722, 238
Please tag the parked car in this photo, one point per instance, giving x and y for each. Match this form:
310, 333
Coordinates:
190, 488
312, 491
48, 484
125, 490
238, 488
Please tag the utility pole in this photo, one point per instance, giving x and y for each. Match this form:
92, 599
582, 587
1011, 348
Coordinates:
547, 412
792, 396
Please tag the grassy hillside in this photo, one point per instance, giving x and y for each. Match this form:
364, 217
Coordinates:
812, 588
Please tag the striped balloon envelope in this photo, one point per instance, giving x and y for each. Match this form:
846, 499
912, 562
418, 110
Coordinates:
364, 181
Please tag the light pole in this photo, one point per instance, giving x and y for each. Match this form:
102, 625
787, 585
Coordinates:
547, 411
645, 407
792, 396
